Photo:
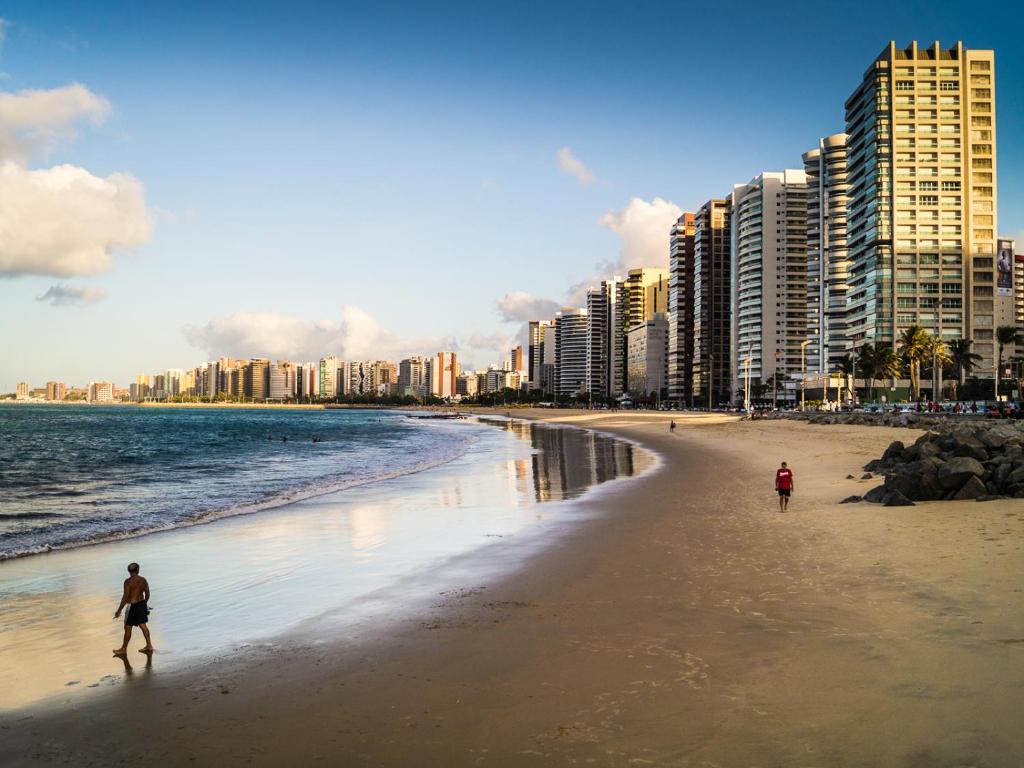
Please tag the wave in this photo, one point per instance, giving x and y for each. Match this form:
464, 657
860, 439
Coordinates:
320, 487
28, 516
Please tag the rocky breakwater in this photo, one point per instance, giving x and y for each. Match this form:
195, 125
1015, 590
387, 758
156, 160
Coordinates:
962, 461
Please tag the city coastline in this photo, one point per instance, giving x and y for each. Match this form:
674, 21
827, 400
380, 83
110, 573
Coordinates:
674, 624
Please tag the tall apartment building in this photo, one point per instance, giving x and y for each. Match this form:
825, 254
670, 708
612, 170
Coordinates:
444, 371
328, 372
256, 379
769, 265
101, 392
647, 350
535, 351
1018, 283
712, 308
598, 342
21, 390
827, 257
55, 390
921, 222
412, 376
281, 378
680, 310
516, 358
571, 331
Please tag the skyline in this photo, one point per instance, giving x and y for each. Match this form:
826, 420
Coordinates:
549, 163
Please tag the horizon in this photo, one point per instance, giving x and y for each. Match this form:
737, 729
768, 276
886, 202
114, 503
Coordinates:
241, 184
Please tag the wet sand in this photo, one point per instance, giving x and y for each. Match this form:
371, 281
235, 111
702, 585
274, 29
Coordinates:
686, 623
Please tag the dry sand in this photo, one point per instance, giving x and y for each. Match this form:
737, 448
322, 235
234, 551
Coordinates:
688, 624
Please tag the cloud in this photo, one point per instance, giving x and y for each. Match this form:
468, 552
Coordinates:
356, 336
63, 295
571, 165
33, 121
64, 221
521, 307
644, 229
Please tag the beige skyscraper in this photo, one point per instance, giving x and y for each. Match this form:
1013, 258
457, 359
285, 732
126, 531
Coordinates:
922, 198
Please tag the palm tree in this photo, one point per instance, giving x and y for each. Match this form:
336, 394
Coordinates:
937, 357
963, 358
913, 346
887, 362
848, 367
866, 363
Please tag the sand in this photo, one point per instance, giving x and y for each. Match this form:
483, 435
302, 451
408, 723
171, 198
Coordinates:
688, 623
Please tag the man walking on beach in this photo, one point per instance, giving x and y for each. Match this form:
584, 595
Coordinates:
784, 485
136, 597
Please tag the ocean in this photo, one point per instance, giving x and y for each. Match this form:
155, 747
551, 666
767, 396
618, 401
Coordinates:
73, 475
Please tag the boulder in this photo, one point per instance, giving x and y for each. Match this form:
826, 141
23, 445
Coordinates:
971, 489
850, 477
865, 476
894, 451
876, 495
957, 471
852, 499
971, 448
1014, 476
897, 499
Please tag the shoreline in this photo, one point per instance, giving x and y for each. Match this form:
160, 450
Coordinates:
681, 621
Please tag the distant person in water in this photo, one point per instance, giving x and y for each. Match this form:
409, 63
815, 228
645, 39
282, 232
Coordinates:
136, 597
784, 486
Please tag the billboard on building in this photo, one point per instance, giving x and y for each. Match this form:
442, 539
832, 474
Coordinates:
1004, 268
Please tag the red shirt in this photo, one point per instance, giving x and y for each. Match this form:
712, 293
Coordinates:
784, 479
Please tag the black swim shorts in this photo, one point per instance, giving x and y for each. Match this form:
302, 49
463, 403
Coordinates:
138, 613
783, 491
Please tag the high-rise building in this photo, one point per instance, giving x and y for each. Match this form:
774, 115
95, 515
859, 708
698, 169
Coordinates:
21, 390
769, 265
516, 358
712, 302
328, 372
680, 310
1018, 285
571, 331
101, 392
466, 385
921, 221
647, 350
55, 390
412, 377
444, 370
535, 351
282, 380
598, 342
256, 379
827, 258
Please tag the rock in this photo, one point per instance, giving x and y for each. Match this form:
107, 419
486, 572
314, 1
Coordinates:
897, 499
852, 499
972, 489
876, 495
865, 476
972, 449
927, 450
955, 472
894, 451
1002, 473
1015, 476
850, 477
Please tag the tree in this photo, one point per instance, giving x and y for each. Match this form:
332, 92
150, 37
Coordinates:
866, 363
937, 358
913, 346
962, 358
1005, 336
887, 362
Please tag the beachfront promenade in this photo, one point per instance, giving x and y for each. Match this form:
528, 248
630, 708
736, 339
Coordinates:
688, 623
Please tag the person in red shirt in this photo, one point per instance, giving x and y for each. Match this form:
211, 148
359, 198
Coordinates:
784, 485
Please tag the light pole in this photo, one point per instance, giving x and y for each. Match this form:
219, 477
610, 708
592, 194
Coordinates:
711, 379
803, 372
746, 390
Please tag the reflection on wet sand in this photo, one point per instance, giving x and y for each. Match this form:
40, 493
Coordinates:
245, 579
566, 462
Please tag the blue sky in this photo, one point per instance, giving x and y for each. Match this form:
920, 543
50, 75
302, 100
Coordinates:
400, 160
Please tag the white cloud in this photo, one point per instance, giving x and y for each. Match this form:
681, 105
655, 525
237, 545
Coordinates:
644, 228
571, 165
32, 121
521, 307
63, 295
64, 221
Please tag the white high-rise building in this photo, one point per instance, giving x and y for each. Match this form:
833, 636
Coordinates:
571, 330
769, 268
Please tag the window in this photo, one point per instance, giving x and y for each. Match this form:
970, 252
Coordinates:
949, 85
980, 66
904, 85
981, 93
951, 186
929, 199
981, 121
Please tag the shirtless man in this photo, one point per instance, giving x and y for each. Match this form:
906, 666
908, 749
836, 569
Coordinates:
136, 597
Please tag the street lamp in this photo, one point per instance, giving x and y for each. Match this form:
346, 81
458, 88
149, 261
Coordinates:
803, 372
746, 390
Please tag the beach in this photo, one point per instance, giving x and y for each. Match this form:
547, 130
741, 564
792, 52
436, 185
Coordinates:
681, 621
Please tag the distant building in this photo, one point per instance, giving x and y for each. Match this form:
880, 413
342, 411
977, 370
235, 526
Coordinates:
328, 372
466, 385
101, 392
21, 391
412, 377
256, 380
443, 371
1018, 289
712, 272
282, 380
516, 359
680, 310
55, 390
571, 328
647, 350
